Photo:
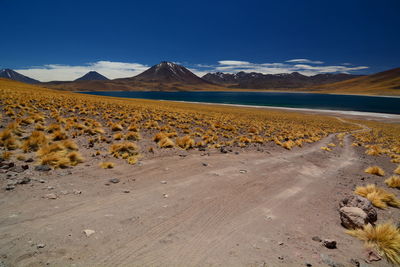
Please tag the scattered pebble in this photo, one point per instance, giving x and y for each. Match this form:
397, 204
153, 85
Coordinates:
163, 182
126, 191
88, 232
328, 243
205, 164
42, 168
50, 196
114, 180
40, 245
76, 192
316, 238
243, 171
165, 195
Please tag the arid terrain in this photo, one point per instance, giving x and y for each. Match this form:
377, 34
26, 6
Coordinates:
99, 181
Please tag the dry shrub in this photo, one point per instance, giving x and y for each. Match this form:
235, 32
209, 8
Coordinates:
59, 154
384, 237
185, 142
393, 181
118, 136
116, 127
375, 170
166, 143
6, 155
59, 135
374, 150
289, 144
134, 136
124, 149
107, 165
34, 141
326, 148
397, 170
379, 197
331, 145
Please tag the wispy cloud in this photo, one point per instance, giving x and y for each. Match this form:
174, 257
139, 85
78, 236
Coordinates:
57, 72
308, 68
304, 60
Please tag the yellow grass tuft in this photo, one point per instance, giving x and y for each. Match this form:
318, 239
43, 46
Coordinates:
384, 237
6, 155
116, 127
393, 181
74, 158
21, 157
118, 136
185, 142
166, 143
134, 136
375, 170
107, 165
124, 149
379, 197
326, 148
289, 144
397, 170
34, 141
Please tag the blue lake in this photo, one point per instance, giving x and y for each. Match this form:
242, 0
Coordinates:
293, 100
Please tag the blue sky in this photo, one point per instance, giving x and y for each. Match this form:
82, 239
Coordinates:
52, 40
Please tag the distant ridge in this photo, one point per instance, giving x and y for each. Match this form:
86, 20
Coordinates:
375, 83
92, 76
255, 80
13, 75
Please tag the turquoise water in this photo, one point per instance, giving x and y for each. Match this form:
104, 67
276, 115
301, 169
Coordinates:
294, 100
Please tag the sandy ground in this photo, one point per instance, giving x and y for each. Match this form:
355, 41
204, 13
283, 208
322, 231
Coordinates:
254, 208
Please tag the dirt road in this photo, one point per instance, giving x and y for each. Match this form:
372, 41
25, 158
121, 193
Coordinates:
248, 209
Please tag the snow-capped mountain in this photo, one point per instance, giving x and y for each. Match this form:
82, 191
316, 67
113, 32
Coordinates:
169, 72
13, 75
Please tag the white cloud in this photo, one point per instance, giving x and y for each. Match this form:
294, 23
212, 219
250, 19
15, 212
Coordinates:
304, 60
56, 72
234, 66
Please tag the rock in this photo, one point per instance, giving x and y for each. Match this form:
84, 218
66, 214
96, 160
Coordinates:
17, 169
353, 217
41, 181
355, 262
362, 203
126, 191
40, 245
76, 192
316, 238
236, 153
29, 160
42, 168
308, 264
223, 150
6, 165
329, 243
25, 180
205, 164
163, 182
372, 255
9, 187
114, 180
51, 196
25, 167
165, 195
243, 171
88, 232
328, 261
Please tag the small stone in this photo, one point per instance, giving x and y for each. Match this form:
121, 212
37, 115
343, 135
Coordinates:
9, 187
41, 181
25, 167
280, 258
243, 171
163, 182
328, 243
88, 232
51, 196
50, 187
40, 245
316, 238
126, 191
372, 255
328, 261
236, 153
355, 262
25, 180
205, 164
308, 264
223, 150
76, 192
165, 195
114, 180
362, 203
17, 169
280, 243
42, 168
29, 160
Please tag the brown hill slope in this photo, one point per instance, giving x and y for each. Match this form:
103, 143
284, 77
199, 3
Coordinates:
382, 83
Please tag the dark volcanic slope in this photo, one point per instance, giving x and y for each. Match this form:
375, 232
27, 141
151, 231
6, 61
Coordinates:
168, 72
13, 75
267, 81
386, 80
92, 76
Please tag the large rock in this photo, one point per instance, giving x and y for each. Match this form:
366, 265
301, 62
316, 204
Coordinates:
362, 203
353, 217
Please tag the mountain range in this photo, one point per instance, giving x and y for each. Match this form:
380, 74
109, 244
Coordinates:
168, 76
